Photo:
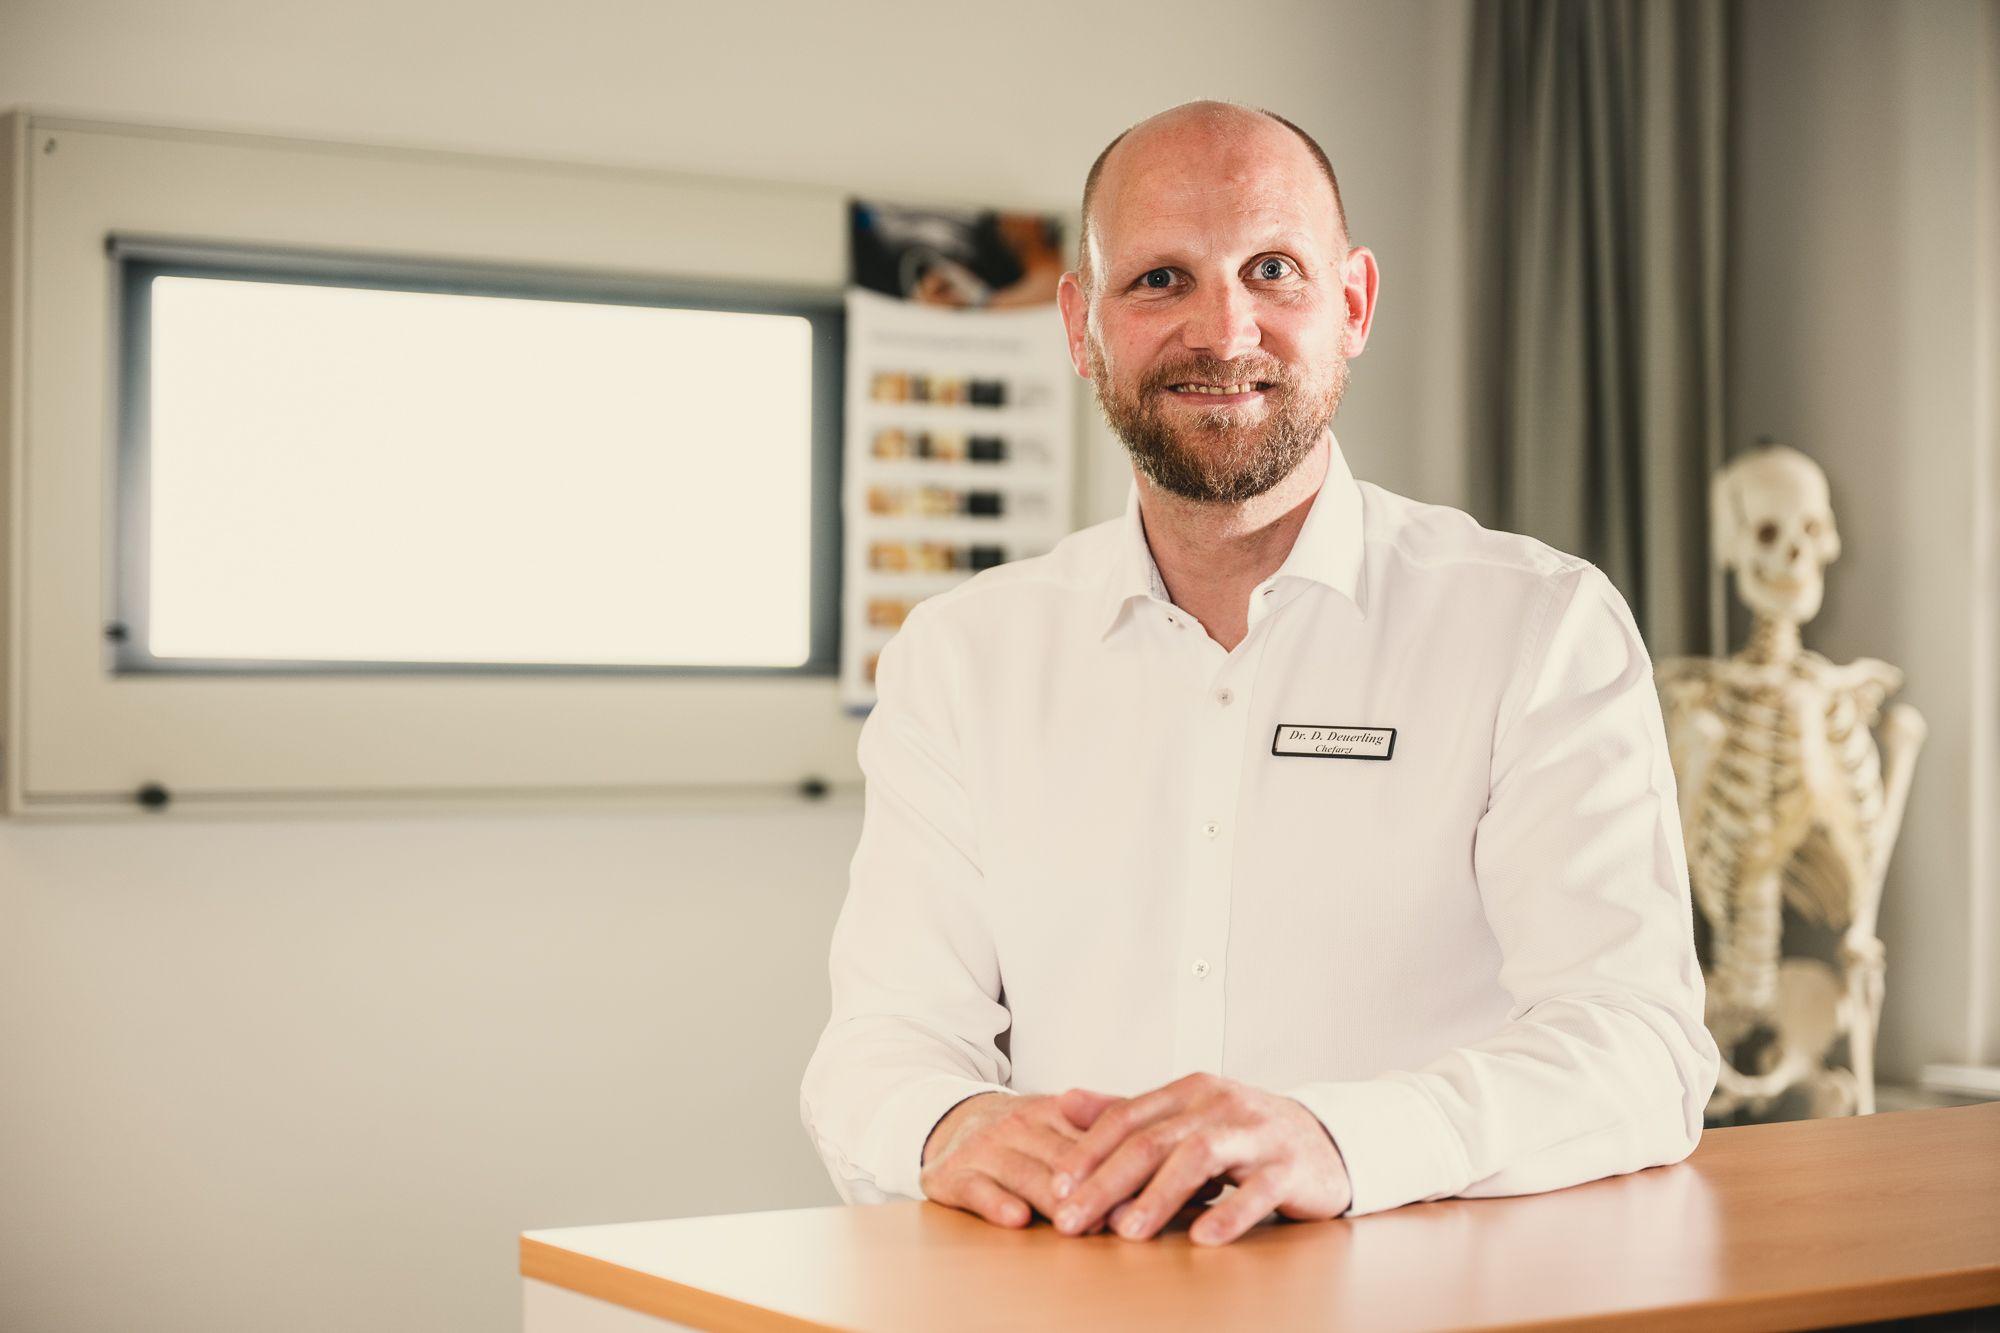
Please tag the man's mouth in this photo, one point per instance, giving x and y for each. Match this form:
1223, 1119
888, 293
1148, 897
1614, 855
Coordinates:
1197, 388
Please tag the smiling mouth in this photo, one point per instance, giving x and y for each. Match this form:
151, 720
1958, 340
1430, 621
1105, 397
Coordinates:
1223, 390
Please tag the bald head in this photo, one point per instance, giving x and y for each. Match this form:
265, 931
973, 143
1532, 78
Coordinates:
1191, 126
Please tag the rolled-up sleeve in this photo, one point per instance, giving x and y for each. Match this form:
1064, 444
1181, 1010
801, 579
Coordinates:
916, 982
1604, 1065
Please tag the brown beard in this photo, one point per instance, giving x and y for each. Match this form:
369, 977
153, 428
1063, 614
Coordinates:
1215, 456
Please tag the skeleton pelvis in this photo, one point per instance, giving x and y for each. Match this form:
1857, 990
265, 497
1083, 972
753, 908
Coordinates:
1765, 1052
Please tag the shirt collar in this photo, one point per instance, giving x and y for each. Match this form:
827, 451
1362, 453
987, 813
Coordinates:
1326, 551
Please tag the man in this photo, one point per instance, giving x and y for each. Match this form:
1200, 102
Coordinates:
1284, 834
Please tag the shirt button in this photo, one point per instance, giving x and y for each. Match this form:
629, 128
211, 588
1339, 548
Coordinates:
1200, 968
1211, 828
1225, 697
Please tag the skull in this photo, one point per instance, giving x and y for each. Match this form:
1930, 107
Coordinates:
1773, 525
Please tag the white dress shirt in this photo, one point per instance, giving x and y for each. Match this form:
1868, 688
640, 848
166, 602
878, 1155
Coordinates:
1087, 860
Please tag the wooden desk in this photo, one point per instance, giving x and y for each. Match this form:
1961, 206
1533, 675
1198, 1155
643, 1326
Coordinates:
1764, 1227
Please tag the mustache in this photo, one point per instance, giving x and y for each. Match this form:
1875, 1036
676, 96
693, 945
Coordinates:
1210, 370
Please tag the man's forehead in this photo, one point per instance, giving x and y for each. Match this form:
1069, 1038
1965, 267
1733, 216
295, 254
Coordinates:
1241, 170
1196, 210
1210, 218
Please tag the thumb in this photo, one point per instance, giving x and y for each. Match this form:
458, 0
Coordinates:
1081, 1106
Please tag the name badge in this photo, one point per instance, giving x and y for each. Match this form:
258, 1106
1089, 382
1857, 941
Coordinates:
1301, 741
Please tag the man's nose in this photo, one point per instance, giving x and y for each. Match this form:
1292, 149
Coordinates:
1222, 321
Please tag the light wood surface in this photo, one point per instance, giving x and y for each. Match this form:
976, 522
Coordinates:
1765, 1227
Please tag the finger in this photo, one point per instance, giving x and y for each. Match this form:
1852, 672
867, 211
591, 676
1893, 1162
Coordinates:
1111, 1128
1081, 1107
1024, 1176
1048, 1114
1195, 1208
976, 1192
1044, 1145
1125, 1172
1254, 1200
1201, 1197
1019, 1154
1193, 1163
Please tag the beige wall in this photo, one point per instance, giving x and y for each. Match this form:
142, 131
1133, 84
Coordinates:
317, 1073
1864, 303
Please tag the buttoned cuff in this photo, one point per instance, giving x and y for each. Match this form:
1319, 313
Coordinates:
1397, 1144
905, 1121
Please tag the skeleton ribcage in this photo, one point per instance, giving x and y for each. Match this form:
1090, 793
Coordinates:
1765, 836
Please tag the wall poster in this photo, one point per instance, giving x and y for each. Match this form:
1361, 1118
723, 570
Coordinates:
960, 412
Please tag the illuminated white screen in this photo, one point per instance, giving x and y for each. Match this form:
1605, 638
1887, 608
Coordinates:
344, 474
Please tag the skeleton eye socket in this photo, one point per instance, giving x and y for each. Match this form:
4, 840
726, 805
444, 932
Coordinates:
1767, 533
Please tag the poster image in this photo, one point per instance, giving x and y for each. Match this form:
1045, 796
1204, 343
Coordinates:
970, 259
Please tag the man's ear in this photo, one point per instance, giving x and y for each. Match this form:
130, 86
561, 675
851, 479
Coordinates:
1076, 320
1360, 280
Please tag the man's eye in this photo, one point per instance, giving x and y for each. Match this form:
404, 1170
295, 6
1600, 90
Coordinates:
1273, 268
1159, 277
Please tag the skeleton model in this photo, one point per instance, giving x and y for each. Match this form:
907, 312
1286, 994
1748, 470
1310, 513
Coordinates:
1785, 800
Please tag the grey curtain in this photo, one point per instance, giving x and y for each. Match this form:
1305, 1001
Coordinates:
1598, 178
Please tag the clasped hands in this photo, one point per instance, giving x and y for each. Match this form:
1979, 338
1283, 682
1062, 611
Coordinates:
1087, 1160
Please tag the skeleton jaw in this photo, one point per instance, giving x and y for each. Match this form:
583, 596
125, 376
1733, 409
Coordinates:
1789, 597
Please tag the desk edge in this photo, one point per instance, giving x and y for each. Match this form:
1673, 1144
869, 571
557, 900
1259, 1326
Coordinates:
649, 1293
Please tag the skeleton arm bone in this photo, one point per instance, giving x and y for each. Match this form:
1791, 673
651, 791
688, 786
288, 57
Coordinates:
1903, 733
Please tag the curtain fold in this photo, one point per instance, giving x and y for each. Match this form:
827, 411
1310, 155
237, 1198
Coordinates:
1598, 183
